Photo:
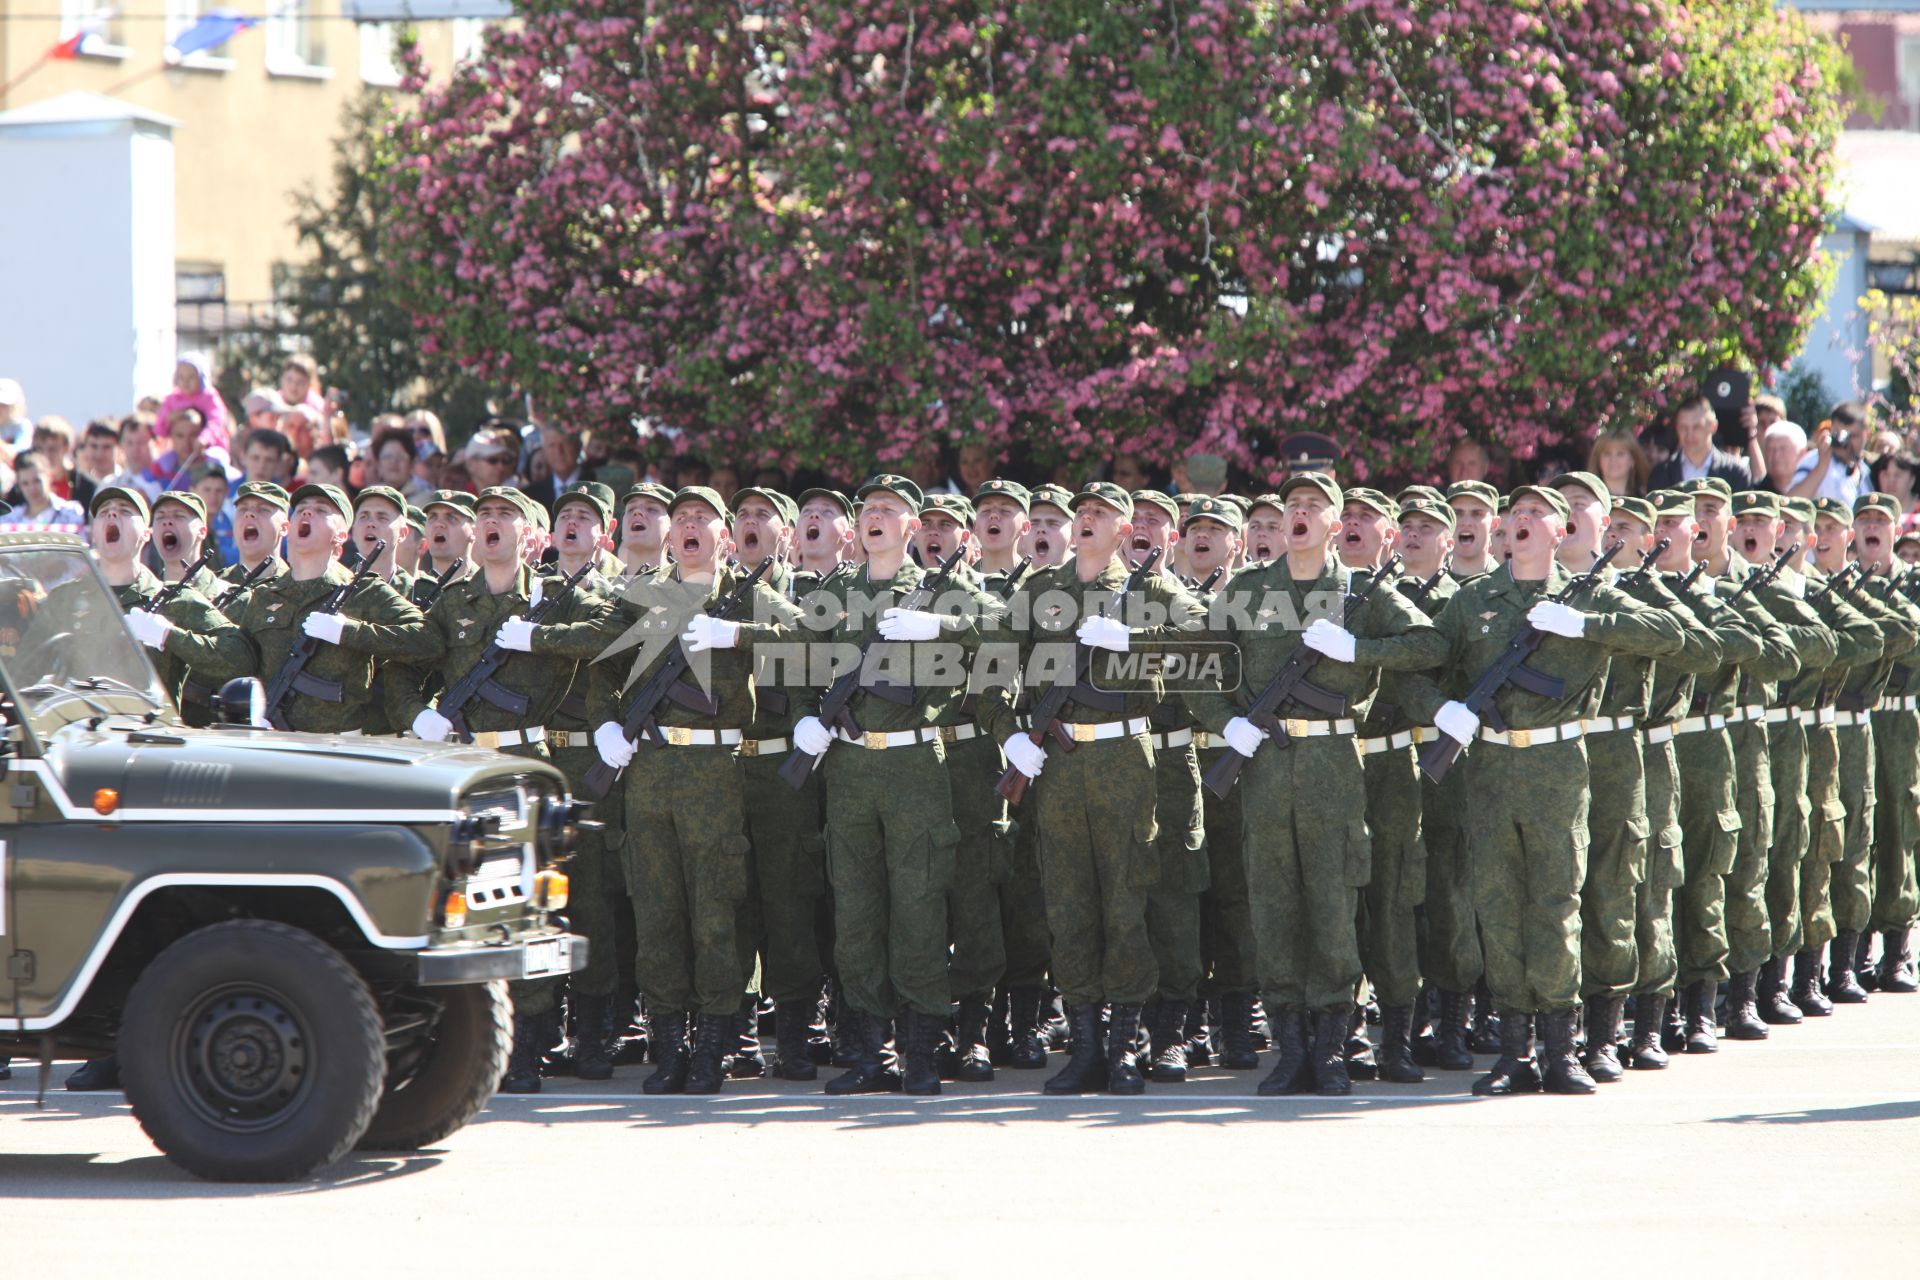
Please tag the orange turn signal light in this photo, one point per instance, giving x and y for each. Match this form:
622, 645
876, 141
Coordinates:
454, 914
550, 890
105, 801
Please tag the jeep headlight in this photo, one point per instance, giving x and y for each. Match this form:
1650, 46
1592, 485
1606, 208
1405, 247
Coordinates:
561, 821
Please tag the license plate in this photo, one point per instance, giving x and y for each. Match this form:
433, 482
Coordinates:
547, 957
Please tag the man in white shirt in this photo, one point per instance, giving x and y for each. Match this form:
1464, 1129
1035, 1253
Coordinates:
1834, 468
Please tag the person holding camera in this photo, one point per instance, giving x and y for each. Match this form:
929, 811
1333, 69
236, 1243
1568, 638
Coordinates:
1834, 468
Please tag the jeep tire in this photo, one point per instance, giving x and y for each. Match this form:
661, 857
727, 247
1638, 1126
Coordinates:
252, 1052
460, 1068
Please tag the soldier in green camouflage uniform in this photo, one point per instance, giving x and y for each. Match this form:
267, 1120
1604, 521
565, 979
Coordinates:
380, 516
1309, 851
449, 517
1093, 813
259, 525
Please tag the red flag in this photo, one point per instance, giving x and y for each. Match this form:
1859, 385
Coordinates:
69, 49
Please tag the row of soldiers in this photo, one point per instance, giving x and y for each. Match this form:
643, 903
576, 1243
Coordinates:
1704, 773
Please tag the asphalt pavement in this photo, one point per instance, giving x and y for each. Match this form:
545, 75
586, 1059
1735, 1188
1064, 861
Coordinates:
1799, 1156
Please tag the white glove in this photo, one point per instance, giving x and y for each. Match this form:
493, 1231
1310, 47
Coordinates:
1105, 633
150, 629
325, 626
1557, 619
811, 736
909, 624
1329, 638
432, 726
706, 632
1243, 735
611, 741
1457, 722
1024, 755
515, 633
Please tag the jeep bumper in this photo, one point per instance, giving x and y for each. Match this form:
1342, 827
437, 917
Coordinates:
550, 955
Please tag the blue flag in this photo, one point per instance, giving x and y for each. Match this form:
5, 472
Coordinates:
211, 31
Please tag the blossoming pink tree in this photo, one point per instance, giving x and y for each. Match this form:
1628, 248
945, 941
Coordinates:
834, 228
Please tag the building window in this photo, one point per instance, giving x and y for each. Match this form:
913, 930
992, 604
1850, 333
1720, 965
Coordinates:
295, 46
468, 35
1909, 70
99, 22
181, 15
379, 53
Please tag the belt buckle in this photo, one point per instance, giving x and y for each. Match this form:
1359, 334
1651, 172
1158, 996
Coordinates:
874, 740
948, 732
679, 735
1297, 728
1083, 732
749, 748
1520, 738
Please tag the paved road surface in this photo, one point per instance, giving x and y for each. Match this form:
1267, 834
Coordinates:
1797, 1157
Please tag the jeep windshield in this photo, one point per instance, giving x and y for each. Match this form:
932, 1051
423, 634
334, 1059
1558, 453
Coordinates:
65, 645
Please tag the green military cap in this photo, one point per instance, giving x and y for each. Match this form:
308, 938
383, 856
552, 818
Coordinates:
1756, 502
1592, 483
1103, 491
385, 494
126, 493
1478, 490
698, 493
1240, 502
1264, 500
955, 505
1319, 480
1374, 500
1707, 487
1639, 508
508, 493
1911, 535
1670, 502
651, 489
1434, 508
1800, 509
998, 488
1156, 498
590, 492
899, 486
191, 501
266, 491
458, 501
1420, 492
1506, 504
331, 493
417, 520
1835, 509
1052, 495
1546, 493
838, 498
782, 505
1204, 507
1885, 503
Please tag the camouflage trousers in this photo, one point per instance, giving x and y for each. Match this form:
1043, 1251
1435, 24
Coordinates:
1787, 753
891, 844
1896, 821
1826, 836
788, 878
1093, 807
1616, 865
688, 874
1397, 883
1749, 929
1527, 842
982, 863
1173, 906
1852, 884
1656, 966
1709, 836
1309, 854
1449, 940
1226, 914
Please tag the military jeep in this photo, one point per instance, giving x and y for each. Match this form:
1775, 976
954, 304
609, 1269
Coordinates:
296, 943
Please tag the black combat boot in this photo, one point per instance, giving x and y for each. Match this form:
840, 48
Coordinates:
1167, 1030
1123, 1072
1450, 1034
1776, 1009
844, 1052
1331, 1029
1865, 972
1743, 1008
919, 1036
1896, 962
1199, 1052
1673, 1036
1028, 1049
1603, 1039
1514, 1071
1806, 994
667, 1029
1483, 1032
871, 1068
1426, 1041
1842, 986
97, 1075
1358, 1050
1649, 1025
1396, 1046
743, 1059
1563, 1074
716, 1036
792, 1036
1700, 1032
596, 1037
999, 1042
1236, 1032
532, 1033
1086, 1069
976, 1060
1292, 1072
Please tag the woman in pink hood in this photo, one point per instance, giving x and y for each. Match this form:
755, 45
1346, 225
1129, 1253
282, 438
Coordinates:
193, 388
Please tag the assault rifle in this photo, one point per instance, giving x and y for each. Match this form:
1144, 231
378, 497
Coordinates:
1647, 561
1425, 589
1761, 577
424, 600
480, 682
252, 576
292, 677
165, 595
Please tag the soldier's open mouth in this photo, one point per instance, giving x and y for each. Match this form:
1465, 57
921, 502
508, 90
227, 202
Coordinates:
936, 549
1353, 539
305, 527
1466, 540
1871, 542
1299, 529
492, 539
750, 541
993, 530
111, 533
1086, 531
874, 531
1142, 542
1521, 535
1042, 546
691, 546
169, 542
813, 533
1201, 546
